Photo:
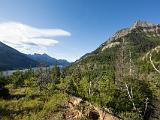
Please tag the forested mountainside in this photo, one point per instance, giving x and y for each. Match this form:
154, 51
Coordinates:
124, 72
46, 60
13, 59
139, 39
120, 80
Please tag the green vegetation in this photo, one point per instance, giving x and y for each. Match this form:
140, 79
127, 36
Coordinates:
28, 97
121, 78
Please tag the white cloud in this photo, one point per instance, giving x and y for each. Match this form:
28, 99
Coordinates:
28, 39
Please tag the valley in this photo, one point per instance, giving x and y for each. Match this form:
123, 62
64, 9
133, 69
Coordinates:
13, 59
120, 79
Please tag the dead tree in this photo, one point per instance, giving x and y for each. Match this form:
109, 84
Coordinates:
152, 63
43, 78
124, 64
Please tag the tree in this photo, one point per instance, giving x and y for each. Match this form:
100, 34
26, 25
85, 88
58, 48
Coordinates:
4, 92
77, 74
2, 80
55, 74
72, 88
17, 78
150, 58
43, 78
124, 64
128, 84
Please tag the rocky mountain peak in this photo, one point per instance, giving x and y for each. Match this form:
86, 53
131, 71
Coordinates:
151, 30
147, 26
143, 24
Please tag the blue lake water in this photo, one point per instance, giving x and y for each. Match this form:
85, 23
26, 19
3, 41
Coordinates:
10, 72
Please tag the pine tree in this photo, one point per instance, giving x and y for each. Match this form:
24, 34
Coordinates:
55, 74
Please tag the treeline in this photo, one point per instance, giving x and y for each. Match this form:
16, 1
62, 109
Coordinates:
122, 94
121, 78
117, 80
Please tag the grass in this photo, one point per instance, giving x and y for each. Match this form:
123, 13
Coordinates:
28, 104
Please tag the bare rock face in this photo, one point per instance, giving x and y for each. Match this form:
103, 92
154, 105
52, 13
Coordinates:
151, 30
72, 114
74, 101
142, 24
121, 33
109, 45
79, 109
145, 26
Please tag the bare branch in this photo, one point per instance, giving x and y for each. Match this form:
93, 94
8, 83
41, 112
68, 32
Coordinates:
130, 97
130, 62
146, 105
153, 63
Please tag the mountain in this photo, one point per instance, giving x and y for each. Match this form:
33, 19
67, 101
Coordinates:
142, 37
63, 62
13, 59
123, 72
45, 59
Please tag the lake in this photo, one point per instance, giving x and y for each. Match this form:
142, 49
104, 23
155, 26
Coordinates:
10, 72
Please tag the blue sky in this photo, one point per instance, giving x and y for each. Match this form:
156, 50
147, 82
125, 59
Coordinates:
85, 24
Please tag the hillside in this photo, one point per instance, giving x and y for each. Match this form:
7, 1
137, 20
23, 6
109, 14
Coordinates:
140, 39
128, 63
120, 80
45, 59
13, 59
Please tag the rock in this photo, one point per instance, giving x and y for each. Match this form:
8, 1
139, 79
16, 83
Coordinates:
72, 114
142, 24
113, 44
121, 33
74, 101
78, 109
94, 115
151, 30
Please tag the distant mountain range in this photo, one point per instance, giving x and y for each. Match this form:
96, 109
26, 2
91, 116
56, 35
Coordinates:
46, 60
11, 59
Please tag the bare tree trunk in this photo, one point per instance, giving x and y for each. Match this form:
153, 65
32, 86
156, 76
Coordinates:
150, 58
123, 58
130, 96
130, 63
124, 71
90, 85
146, 105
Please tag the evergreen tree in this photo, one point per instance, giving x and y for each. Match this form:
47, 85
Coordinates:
4, 92
56, 74
17, 78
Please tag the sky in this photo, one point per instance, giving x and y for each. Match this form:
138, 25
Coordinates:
68, 29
